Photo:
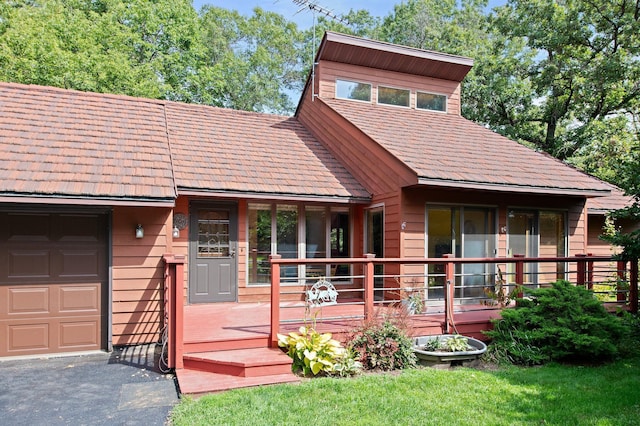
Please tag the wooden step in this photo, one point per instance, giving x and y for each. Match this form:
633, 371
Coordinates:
196, 383
226, 344
251, 362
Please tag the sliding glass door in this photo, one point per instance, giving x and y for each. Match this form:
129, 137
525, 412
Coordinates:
463, 232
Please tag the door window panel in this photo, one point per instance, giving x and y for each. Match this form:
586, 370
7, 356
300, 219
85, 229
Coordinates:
535, 233
375, 245
213, 234
340, 242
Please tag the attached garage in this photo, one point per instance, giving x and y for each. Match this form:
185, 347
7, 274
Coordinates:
53, 282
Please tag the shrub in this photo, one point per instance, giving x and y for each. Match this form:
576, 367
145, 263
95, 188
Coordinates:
383, 344
312, 352
560, 323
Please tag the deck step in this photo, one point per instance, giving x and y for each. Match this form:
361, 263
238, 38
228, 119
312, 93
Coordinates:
196, 383
226, 344
253, 362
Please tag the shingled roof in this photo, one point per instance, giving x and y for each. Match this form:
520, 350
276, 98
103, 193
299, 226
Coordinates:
449, 150
57, 143
227, 151
71, 145
615, 201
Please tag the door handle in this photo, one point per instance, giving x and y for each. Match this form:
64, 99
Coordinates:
232, 253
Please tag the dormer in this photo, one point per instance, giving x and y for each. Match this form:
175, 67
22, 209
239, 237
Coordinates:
362, 70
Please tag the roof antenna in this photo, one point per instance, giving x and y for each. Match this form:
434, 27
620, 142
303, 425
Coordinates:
315, 8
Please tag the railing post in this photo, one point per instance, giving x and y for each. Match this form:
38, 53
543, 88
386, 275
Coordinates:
589, 272
519, 274
633, 285
449, 292
621, 270
368, 285
275, 301
174, 309
581, 270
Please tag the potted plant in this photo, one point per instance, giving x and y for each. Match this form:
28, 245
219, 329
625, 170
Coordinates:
448, 348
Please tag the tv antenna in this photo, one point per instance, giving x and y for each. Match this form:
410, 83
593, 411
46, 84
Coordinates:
316, 8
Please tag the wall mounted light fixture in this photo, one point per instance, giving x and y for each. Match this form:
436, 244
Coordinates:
139, 231
176, 232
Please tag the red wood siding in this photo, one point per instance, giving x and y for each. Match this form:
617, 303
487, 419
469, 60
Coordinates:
181, 245
577, 219
327, 72
137, 273
376, 169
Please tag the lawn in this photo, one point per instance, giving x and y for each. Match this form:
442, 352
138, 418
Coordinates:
549, 395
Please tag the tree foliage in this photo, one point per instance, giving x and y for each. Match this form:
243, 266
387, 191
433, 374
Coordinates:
584, 73
158, 49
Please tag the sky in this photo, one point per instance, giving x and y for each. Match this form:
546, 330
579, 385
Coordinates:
304, 18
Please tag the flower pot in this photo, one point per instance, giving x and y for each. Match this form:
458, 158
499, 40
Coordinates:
441, 356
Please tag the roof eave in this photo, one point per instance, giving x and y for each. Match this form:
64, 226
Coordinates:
487, 186
86, 201
252, 195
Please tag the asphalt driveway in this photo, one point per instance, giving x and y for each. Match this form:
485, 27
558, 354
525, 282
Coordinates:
120, 388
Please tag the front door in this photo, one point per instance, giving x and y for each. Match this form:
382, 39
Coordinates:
213, 242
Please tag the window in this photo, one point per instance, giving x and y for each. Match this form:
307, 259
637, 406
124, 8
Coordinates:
535, 233
259, 243
353, 90
375, 245
463, 232
296, 231
431, 101
392, 96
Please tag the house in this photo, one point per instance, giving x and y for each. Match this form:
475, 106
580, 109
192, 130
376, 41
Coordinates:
96, 188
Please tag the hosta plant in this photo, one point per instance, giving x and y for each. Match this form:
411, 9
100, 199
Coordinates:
313, 353
457, 343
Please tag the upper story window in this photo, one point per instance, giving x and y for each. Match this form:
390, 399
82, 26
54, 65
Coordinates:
431, 101
393, 96
353, 90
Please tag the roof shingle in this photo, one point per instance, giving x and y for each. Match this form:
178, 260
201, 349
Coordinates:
71, 144
57, 142
447, 149
219, 149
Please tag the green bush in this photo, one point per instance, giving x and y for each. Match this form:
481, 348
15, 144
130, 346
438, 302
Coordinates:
383, 345
560, 323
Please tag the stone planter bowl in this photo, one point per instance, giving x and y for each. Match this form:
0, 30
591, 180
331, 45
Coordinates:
443, 356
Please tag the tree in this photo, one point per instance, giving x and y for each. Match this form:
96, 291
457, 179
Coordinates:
250, 63
136, 47
156, 49
629, 241
583, 76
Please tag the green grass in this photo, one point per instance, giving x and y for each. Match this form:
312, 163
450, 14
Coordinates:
548, 395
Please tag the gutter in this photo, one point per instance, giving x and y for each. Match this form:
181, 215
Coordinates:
86, 201
588, 193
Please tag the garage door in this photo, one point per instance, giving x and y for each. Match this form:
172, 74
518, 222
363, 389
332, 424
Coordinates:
53, 278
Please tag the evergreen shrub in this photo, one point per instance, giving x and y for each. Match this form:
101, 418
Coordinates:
562, 323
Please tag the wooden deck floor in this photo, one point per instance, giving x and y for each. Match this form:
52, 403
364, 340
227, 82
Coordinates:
224, 341
236, 321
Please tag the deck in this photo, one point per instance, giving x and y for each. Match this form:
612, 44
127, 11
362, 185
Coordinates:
220, 346
226, 345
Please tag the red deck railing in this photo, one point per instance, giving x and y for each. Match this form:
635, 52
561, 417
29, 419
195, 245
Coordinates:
614, 281
447, 279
